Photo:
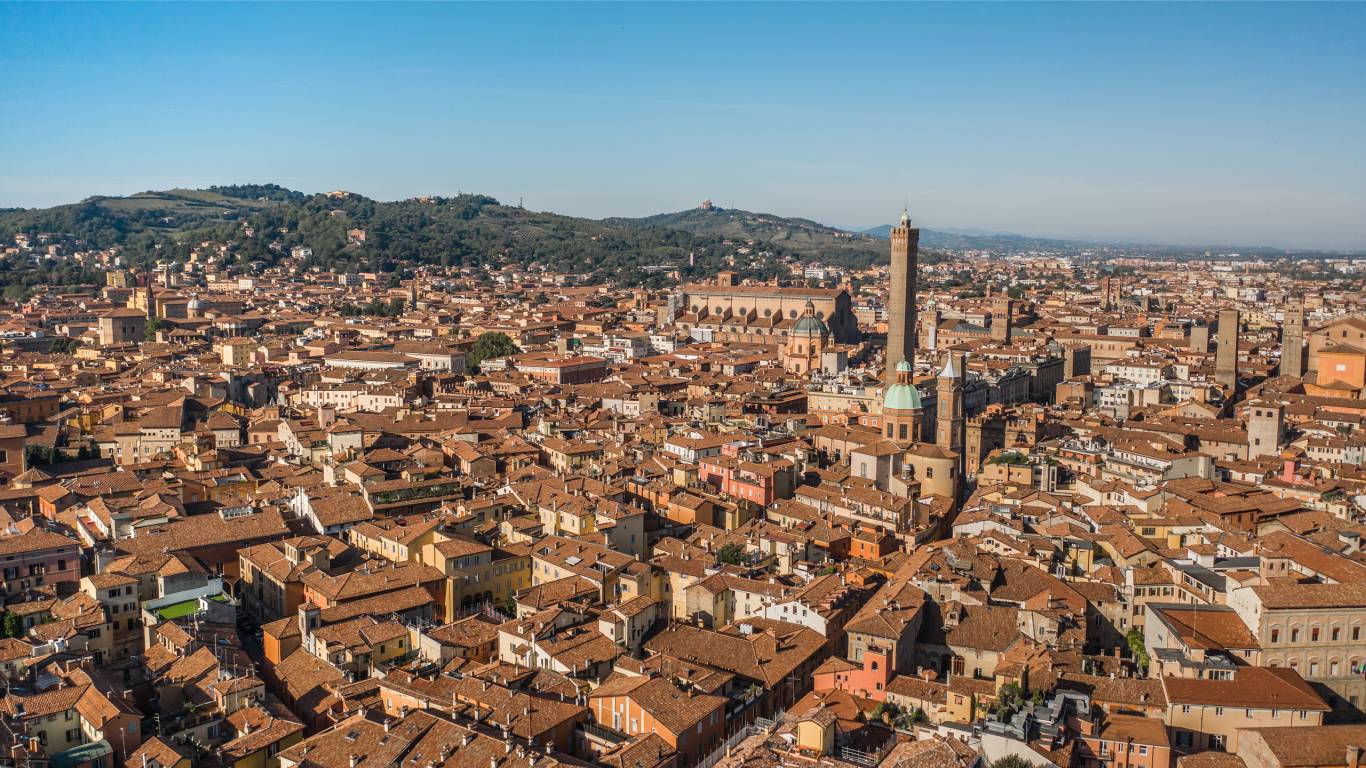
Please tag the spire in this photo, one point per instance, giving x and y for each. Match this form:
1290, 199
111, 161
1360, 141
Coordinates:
905, 217
950, 370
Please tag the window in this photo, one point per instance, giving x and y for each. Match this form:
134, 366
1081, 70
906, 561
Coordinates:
1275, 635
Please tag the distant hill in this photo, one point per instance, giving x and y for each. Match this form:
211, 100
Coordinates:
262, 223
140, 220
1009, 242
979, 240
833, 245
804, 237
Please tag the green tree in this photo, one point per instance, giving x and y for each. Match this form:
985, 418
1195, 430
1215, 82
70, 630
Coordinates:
1138, 647
1011, 761
732, 554
13, 625
886, 712
153, 326
488, 346
38, 455
62, 345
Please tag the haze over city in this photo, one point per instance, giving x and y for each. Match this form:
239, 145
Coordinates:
1194, 124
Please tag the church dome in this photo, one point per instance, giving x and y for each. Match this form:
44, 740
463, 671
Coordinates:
809, 324
901, 396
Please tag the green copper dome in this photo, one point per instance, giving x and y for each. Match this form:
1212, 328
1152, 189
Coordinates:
902, 397
810, 325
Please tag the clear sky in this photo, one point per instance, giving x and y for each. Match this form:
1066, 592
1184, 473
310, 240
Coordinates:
1220, 123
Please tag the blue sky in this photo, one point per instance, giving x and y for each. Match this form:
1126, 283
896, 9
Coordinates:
1219, 123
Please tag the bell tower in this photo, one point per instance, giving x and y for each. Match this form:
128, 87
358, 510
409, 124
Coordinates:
949, 411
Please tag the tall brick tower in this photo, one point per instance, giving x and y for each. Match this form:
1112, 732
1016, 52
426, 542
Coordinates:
1226, 353
1292, 341
949, 413
1001, 307
901, 297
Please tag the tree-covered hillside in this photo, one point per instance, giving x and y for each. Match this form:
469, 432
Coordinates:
810, 239
262, 223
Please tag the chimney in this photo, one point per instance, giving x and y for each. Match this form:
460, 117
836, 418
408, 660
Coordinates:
1353, 756
355, 761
